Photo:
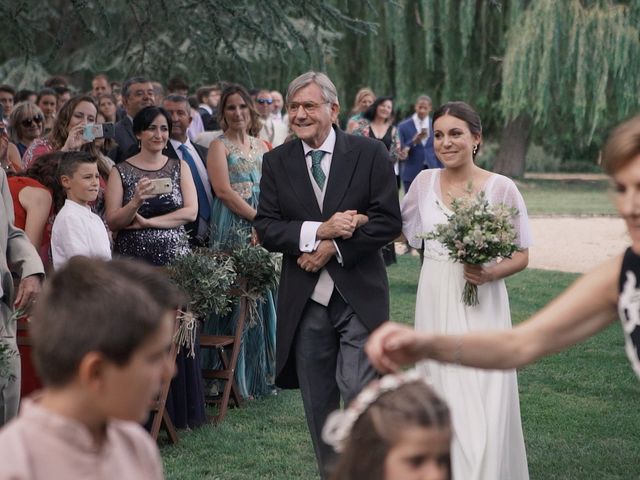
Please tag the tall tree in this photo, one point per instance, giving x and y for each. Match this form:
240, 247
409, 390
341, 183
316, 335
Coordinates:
570, 72
206, 39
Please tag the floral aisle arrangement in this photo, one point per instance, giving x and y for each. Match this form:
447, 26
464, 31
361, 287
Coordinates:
476, 233
212, 280
206, 278
259, 270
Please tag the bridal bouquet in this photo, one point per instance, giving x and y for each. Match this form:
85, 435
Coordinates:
476, 233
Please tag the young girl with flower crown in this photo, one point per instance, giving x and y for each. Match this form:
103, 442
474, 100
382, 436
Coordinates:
397, 428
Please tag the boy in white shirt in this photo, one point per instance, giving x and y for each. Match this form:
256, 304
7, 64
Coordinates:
101, 334
76, 229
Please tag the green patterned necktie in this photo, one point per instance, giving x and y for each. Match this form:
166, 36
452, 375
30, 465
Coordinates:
316, 169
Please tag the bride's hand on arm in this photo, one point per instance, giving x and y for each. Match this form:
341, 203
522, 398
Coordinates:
481, 274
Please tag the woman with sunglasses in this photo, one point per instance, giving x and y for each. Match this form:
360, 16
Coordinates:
25, 125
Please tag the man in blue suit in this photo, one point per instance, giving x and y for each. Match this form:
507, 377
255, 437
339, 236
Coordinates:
416, 136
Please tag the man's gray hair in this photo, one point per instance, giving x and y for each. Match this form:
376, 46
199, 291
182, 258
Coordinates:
424, 98
329, 92
175, 98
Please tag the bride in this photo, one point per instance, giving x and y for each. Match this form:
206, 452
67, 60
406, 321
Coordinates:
488, 441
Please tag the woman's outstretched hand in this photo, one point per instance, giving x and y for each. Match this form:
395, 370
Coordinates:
392, 345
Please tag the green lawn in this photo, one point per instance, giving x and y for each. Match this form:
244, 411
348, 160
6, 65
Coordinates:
578, 407
567, 197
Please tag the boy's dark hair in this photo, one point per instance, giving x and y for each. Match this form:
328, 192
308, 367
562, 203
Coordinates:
92, 305
70, 161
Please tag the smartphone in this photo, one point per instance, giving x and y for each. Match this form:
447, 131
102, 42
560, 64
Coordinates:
98, 130
161, 185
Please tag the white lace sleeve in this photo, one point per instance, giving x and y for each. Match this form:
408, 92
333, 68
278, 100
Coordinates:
410, 208
505, 191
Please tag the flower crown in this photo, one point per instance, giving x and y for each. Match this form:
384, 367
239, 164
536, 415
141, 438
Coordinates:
337, 428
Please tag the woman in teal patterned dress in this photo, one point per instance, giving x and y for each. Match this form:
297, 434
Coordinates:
234, 164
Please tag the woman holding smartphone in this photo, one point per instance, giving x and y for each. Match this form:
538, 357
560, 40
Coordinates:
68, 135
150, 223
150, 198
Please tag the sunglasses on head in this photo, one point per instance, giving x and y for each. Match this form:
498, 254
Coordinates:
28, 121
268, 101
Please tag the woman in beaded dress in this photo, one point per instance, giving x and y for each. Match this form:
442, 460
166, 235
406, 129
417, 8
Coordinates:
150, 227
234, 164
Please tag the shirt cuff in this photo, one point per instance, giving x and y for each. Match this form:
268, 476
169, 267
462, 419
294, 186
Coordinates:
308, 242
338, 254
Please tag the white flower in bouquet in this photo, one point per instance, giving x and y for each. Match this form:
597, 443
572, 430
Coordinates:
476, 233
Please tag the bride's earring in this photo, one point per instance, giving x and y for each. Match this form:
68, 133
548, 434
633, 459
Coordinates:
475, 150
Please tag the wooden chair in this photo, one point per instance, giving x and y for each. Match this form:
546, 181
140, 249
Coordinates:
161, 417
228, 348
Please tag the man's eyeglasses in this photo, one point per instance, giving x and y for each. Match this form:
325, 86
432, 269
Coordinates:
309, 107
263, 101
28, 121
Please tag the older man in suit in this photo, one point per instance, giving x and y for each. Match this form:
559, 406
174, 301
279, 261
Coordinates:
328, 202
195, 156
18, 256
416, 137
137, 93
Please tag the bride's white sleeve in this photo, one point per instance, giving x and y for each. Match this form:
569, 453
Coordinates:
411, 219
509, 194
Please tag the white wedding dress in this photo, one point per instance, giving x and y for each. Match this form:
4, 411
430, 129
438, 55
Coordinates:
488, 443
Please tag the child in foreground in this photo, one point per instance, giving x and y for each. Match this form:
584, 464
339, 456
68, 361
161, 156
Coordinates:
101, 334
76, 229
397, 428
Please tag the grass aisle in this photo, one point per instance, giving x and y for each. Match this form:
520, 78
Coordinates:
578, 407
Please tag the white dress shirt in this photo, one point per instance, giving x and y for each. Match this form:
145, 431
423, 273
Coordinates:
308, 241
78, 231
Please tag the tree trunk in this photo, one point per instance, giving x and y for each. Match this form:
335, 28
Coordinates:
514, 142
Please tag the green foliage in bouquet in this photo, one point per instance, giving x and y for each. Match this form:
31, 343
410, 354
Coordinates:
259, 270
207, 278
476, 233
257, 267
